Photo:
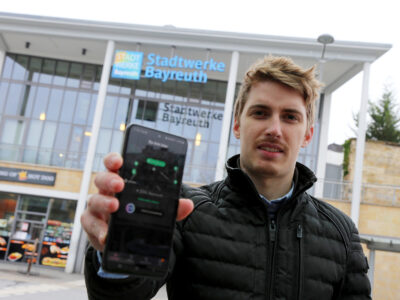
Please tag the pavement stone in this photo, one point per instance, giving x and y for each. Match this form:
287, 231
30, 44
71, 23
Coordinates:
44, 283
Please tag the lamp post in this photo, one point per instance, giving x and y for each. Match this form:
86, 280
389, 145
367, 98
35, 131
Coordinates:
324, 39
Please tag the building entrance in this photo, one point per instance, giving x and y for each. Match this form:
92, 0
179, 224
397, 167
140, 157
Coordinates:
30, 220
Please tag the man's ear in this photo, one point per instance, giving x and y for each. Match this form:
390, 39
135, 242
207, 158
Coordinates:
236, 128
308, 136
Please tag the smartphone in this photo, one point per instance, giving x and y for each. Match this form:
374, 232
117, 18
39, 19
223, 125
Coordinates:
140, 232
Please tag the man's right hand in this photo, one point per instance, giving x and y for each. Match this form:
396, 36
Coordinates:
95, 218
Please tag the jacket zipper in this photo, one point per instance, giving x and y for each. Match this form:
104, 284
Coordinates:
300, 272
272, 238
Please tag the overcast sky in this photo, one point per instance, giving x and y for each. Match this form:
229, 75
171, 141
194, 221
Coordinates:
347, 20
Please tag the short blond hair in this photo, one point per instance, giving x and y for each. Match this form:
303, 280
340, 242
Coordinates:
281, 70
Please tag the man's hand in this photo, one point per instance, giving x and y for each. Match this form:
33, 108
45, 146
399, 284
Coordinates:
95, 218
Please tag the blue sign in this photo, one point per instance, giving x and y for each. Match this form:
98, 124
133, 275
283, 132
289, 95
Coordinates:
127, 64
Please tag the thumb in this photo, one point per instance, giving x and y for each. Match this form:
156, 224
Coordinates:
185, 207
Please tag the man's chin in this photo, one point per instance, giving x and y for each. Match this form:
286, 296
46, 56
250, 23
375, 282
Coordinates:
264, 171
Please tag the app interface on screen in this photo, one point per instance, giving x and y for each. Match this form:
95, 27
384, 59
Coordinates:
152, 171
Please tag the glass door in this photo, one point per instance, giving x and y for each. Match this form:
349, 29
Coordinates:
31, 216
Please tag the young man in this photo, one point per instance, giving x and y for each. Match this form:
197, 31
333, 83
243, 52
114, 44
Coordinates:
257, 234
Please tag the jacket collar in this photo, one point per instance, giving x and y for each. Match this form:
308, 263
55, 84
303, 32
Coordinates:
303, 178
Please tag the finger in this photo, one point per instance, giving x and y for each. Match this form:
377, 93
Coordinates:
96, 230
109, 183
185, 207
113, 161
102, 206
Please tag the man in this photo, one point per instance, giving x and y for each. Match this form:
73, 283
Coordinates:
257, 234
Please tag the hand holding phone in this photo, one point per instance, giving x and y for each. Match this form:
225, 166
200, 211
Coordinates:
140, 232
96, 216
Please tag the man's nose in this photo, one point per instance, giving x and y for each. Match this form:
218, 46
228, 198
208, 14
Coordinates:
273, 127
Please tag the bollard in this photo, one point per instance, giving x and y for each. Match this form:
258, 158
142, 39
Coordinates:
32, 256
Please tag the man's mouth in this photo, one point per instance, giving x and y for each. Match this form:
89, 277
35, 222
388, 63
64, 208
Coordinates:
270, 149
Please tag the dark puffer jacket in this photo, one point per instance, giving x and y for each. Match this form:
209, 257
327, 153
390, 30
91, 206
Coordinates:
228, 249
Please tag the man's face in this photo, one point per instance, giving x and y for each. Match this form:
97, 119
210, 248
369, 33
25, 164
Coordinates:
272, 129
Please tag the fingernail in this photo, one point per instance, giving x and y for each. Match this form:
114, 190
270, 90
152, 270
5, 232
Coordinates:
102, 237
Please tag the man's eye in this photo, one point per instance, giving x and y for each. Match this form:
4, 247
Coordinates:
259, 113
292, 117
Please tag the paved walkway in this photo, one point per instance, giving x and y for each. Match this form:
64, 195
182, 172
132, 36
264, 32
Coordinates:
44, 283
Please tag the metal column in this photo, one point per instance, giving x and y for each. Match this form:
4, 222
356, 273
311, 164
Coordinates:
2, 58
371, 263
362, 128
227, 120
3, 50
105, 74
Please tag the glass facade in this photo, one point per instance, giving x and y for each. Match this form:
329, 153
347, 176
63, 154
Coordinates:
47, 108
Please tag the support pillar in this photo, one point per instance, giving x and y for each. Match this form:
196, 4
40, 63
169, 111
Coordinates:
362, 128
87, 172
227, 119
323, 144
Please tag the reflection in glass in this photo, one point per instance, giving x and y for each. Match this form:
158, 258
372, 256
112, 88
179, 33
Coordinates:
74, 75
42, 97
55, 102
15, 94
63, 210
8, 202
33, 204
82, 108
76, 139
91, 109
49, 133
120, 117
68, 106
35, 66
147, 110
116, 144
62, 137
103, 143
3, 94
110, 106
34, 133
47, 71
8, 66
13, 132
61, 73
20, 66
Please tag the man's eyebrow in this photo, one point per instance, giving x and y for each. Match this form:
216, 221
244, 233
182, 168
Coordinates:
260, 106
293, 111
286, 110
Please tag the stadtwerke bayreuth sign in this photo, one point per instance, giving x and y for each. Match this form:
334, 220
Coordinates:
128, 65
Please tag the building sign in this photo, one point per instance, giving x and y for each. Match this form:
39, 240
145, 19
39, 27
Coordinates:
188, 115
27, 176
128, 65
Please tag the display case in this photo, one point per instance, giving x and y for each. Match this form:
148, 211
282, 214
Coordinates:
56, 242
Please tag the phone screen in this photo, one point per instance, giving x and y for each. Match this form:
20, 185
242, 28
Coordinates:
140, 232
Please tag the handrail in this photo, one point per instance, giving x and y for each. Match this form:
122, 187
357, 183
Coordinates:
371, 193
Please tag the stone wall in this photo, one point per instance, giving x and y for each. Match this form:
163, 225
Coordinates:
379, 210
381, 172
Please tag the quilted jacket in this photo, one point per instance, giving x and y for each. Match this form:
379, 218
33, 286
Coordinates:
229, 249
